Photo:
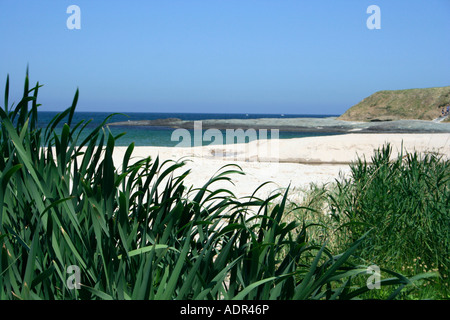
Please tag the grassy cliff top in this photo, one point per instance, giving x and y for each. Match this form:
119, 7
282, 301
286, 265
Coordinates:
411, 104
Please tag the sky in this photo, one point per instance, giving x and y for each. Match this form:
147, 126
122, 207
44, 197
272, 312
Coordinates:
217, 56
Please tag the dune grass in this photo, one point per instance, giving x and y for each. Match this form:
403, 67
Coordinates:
65, 207
405, 200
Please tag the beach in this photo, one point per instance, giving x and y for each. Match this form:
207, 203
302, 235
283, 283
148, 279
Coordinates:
296, 163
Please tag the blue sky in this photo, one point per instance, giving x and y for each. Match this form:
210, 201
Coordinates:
234, 56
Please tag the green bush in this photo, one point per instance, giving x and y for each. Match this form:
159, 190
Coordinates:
137, 232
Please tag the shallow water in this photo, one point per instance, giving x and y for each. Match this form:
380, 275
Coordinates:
289, 126
162, 136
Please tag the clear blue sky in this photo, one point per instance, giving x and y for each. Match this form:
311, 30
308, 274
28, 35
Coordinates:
244, 56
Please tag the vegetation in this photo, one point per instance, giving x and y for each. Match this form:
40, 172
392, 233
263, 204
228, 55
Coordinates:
406, 201
412, 104
137, 232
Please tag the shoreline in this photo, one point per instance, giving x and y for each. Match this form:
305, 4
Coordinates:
307, 125
297, 162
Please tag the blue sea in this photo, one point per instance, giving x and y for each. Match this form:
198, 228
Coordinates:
162, 136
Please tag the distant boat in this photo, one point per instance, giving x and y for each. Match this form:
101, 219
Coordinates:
282, 114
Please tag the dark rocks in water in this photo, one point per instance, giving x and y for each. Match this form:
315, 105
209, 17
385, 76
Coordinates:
379, 125
384, 119
157, 122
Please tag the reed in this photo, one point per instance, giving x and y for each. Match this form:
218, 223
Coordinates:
405, 200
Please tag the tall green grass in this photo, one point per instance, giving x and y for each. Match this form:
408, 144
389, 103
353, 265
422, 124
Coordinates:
138, 232
405, 200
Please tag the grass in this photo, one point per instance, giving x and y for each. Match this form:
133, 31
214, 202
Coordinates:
416, 104
405, 200
138, 232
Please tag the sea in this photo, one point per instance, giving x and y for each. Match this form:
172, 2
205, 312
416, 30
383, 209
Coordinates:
163, 136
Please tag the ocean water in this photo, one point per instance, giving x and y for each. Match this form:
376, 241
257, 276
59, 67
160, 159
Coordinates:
162, 136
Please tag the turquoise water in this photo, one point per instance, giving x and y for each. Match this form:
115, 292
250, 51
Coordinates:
162, 136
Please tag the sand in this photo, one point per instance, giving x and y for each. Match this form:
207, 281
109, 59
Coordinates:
297, 163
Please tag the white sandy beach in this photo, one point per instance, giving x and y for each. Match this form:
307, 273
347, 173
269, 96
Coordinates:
295, 162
